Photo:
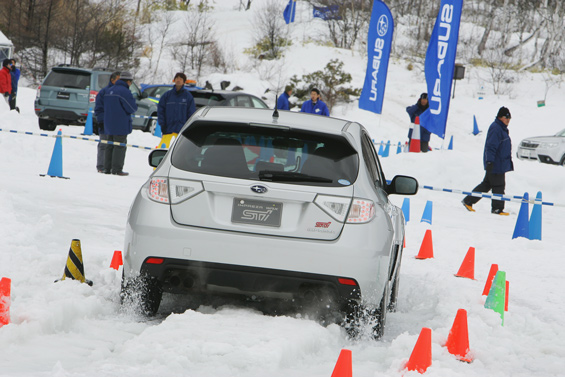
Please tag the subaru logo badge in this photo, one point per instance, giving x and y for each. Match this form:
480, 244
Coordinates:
259, 189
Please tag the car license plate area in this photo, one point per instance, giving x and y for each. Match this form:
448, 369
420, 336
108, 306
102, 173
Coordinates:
63, 95
256, 212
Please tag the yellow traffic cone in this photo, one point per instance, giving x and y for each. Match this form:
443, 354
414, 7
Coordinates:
74, 268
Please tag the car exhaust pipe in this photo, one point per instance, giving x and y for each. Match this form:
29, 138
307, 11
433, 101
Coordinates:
188, 282
174, 280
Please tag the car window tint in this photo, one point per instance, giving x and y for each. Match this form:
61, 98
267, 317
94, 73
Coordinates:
134, 90
161, 90
243, 101
258, 103
103, 80
371, 160
239, 151
68, 79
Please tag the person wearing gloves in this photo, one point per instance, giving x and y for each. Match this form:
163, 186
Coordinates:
497, 160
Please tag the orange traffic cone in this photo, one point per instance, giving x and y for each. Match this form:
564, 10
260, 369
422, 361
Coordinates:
415, 141
343, 367
5, 301
490, 278
467, 269
458, 340
116, 260
421, 357
427, 248
506, 297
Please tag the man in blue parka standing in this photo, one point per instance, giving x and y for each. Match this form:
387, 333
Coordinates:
315, 105
497, 160
99, 115
282, 102
119, 105
176, 106
415, 111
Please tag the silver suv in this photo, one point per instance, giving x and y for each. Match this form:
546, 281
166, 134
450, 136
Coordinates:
547, 149
284, 209
67, 93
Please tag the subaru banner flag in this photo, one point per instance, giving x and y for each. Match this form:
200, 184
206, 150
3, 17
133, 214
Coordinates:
379, 41
440, 65
289, 11
327, 13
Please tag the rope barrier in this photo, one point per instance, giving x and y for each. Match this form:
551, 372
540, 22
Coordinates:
509, 198
77, 138
133, 115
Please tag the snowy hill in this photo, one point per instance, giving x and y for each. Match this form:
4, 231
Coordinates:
71, 329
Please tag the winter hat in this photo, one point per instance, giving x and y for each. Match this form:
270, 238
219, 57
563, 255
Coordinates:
6, 62
126, 75
503, 112
424, 96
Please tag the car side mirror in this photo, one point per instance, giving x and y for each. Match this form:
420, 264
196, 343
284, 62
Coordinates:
156, 156
402, 185
144, 95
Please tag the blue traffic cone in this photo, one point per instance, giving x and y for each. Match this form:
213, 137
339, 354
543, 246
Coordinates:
381, 149
406, 209
522, 224
386, 150
535, 219
427, 216
399, 148
88, 125
158, 131
475, 126
56, 164
450, 147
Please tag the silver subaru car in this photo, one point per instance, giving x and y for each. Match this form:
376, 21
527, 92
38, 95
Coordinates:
289, 209
546, 149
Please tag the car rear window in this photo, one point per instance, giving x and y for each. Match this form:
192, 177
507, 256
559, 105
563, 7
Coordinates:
207, 98
68, 79
103, 80
265, 153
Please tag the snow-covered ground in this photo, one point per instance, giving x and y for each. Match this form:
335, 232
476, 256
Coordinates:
72, 329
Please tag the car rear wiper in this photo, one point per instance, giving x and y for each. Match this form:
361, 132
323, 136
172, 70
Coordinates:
289, 176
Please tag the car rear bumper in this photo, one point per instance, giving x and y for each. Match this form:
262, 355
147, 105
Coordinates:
71, 117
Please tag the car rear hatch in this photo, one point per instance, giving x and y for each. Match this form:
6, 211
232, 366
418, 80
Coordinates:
261, 180
66, 89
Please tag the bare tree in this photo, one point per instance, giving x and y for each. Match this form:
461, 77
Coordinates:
166, 20
269, 30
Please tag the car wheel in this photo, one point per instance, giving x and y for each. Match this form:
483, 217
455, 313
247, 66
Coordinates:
363, 321
151, 125
562, 163
47, 125
394, 290
142, 294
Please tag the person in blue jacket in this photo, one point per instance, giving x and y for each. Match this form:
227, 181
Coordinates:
282, 102
99, 124
497, 160
415, 111
176, 106
119, 105
315, 105
15, 73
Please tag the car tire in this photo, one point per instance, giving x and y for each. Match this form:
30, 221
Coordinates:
47, 125
362, 321
562, 162
395, 285
142, 294
151, 125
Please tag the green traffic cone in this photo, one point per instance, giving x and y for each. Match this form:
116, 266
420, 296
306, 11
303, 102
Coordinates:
497, 294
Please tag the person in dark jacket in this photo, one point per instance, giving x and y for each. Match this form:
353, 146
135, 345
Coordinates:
315, 105
99, 116
119, 105
176, 106
282, 102
497, 160
414, 112
15, 74
6, 80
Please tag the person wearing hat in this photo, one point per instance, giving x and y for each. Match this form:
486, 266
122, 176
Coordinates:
6, 80
282, 102
176, 106
497, 160
119, 106
414, 112
99, 124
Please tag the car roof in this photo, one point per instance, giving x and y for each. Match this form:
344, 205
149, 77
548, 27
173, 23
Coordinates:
68, 67
297, 120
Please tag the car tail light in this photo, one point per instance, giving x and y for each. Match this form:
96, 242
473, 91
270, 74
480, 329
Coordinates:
362, 211
38, 92
173, 191
154, 261
92, 97
335, 206
344, 281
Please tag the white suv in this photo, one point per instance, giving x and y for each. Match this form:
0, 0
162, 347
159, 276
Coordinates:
289, 208
547, 149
